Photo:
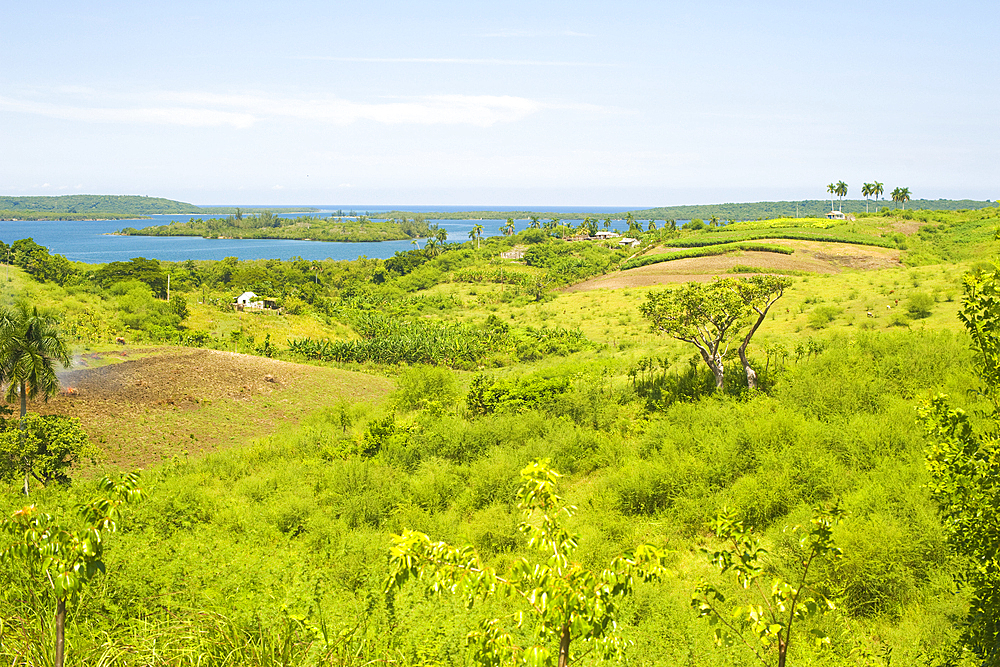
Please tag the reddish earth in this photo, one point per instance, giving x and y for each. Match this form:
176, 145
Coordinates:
183, 401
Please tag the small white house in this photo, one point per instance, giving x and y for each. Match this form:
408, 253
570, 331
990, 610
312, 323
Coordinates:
625, 240
245, 299
836, 215
605, 234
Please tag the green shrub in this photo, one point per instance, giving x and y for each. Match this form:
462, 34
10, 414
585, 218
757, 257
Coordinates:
419, 386
919, 305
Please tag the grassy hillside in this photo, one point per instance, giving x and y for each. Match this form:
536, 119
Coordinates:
271, 504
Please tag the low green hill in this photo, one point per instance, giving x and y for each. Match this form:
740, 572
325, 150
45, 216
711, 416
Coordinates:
81, 207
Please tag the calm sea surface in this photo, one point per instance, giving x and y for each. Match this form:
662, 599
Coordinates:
82, 241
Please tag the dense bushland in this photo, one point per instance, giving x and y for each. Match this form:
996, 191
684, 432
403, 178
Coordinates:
276, 553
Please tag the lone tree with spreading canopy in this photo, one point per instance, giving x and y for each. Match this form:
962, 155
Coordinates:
567, 601
710, 316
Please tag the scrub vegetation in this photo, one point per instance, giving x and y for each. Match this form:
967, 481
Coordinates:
450, 457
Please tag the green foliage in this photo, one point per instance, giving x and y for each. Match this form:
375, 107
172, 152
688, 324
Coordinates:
810, 208
771, 618
709, 316
46, 447
178, 306
266, 225
487, 396
144, 270
706, 251
94, 205
390, 340
567, 263
965, 470
919, 305
821, 316
38, 263
424, 387
566, 601
64, 558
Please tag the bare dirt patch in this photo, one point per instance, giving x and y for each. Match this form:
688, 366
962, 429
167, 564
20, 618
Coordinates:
907, 227
182, 401
809, 256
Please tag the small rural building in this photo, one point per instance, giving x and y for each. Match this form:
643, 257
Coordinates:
836, 215
629, 242
250, 301
245, 299
605, 234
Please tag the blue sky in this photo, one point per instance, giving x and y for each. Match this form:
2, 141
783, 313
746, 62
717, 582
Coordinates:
463, 103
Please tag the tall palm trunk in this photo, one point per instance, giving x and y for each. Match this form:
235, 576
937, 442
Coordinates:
22, 426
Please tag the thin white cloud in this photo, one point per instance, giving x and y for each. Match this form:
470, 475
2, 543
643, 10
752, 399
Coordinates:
481, 110
243, 111
456, 61
140, 114
537, 34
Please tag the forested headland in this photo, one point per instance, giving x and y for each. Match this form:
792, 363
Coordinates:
106, 207
267, 225
744, 418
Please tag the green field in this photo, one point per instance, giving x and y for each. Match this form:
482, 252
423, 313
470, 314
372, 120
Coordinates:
282, 450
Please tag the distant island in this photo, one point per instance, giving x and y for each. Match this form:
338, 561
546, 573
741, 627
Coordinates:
110, 207
267, 225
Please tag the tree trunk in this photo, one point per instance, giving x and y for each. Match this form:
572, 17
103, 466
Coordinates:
751, 374
719, 370
60, 631
714, 361
782, 651
23, 426
564, 647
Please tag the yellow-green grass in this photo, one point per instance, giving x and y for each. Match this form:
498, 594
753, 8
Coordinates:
611, 317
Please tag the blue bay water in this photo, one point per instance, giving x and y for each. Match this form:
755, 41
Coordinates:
91, 241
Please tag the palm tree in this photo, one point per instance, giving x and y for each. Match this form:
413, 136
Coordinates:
652, 225
832, 189
442, 236
535, 222
841, 193
431, 247
901, 195
866, 192
508, 229
30, 345
607, 222
877, 191
630, 220
477, 232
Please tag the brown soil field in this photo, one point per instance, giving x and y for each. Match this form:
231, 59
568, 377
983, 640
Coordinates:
809, 256
151, 405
